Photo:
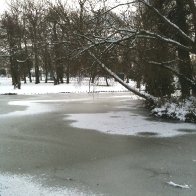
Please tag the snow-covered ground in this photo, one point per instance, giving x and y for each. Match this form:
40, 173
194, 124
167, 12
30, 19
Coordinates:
75, 86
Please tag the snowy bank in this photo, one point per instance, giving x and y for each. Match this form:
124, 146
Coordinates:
184, 110
75, 86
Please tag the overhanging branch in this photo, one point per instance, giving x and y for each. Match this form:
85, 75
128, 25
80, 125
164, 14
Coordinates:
164, 65
149, 98
168, 22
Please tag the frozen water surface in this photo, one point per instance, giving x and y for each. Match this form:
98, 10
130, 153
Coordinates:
125, 123
20, 185
35, 106
114, 122
44, 154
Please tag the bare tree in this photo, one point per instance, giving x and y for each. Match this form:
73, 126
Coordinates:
11, 23
34, 14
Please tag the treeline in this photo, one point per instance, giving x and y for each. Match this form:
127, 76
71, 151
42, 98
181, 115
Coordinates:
42, 38
154, 45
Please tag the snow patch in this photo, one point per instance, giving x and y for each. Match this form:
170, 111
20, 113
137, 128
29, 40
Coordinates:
127, 123
12, 185
32, 109
185, 186
36, 107
181, 110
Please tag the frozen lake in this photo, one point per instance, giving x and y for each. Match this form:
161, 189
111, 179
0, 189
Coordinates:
85, 144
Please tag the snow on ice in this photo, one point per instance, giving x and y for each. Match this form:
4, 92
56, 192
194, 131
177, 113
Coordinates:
185, 186
126, 123
13, 185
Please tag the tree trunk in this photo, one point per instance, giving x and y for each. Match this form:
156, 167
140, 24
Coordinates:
184, 57
15, 72
29, 65
106, 80
46, 76
25, 80
93, 74
37, 81
29, 73
68, 73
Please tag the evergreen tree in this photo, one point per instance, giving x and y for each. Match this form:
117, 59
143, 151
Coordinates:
158, 81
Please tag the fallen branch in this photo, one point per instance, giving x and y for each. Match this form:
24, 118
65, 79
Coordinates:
151, 99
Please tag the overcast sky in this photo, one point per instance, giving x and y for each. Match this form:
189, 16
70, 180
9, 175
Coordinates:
3, 4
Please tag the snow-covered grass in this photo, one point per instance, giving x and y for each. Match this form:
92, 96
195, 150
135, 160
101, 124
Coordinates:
183, 110
76, 85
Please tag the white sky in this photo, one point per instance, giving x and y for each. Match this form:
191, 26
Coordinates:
110, 3
2, 5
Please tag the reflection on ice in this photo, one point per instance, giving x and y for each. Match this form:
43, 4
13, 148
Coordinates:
12, 185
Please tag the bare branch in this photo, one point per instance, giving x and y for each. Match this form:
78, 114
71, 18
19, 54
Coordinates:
21, 61
133, 35
119, 5
165, 65
143, 34
167, 21
193, 10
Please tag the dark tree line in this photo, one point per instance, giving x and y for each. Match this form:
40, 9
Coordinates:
152, 45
